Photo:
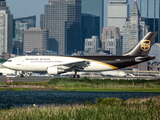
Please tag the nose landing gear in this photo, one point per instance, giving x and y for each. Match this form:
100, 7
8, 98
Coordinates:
21, 75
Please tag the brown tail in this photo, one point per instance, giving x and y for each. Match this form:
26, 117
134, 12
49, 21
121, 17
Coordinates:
144, 46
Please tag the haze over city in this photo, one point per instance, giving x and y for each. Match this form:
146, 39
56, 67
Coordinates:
24, 8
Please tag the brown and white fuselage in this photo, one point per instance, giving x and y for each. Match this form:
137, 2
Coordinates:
62, 64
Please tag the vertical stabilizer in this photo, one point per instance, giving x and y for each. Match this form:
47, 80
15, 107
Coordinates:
144, 46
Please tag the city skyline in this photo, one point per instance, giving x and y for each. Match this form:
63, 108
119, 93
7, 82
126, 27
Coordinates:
47, 21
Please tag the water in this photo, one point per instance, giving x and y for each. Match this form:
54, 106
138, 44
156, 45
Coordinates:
9, 99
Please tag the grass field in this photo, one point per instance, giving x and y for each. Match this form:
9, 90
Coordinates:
86, 84
14, 89
104, 109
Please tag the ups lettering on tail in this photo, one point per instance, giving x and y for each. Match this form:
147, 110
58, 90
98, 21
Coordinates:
145, 45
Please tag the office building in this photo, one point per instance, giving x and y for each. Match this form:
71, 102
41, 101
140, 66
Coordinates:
6, 28
154, 65
92, 45
112, 40
19, 24
86, 53
155, 51
94, 7
150, 9
118, 11
134, 29
35, 39
63, 20
153, 24
90, 27
114, 46
149, 22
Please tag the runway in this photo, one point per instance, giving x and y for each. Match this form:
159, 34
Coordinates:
46, 78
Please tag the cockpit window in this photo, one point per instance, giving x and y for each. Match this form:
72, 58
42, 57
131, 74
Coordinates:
9, 61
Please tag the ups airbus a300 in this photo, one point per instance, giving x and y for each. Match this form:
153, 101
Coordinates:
62, 64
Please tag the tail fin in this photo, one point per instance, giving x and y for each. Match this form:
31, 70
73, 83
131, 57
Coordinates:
143, 47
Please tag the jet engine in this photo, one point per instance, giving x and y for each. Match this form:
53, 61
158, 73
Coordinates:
54, 70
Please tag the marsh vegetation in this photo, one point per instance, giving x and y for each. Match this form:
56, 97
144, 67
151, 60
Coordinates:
105, 108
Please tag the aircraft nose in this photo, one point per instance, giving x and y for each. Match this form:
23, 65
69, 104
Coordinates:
4, 64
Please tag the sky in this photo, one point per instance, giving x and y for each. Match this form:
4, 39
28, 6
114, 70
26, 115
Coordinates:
131, 2
24, 8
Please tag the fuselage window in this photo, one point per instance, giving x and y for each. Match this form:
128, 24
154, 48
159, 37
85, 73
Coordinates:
9, 61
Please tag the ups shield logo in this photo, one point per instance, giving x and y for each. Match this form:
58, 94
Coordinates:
145, 45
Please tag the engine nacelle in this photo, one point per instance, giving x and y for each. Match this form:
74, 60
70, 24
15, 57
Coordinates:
54, 70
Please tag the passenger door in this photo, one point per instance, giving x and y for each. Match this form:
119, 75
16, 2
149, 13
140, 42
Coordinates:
19, 61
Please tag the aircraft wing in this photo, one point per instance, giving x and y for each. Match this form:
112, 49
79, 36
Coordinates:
75, 65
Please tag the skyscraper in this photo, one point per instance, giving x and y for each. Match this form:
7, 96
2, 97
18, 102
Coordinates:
94, 7
6, 26
118, 11
92, 44
134, 29
63, 20
35, 38
19, 24
90, 26
151, 9
112, 40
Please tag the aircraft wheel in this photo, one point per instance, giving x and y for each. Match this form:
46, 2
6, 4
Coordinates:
21, 75
72, 76
77, 76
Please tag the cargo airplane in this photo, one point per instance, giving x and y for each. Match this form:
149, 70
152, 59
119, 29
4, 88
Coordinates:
61, 64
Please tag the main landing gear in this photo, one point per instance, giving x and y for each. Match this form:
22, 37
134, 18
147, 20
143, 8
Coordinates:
21, 75
75, 75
